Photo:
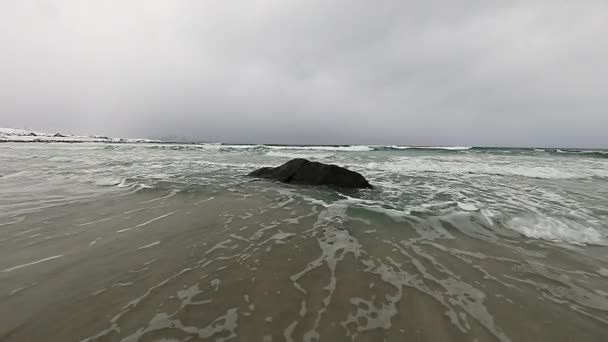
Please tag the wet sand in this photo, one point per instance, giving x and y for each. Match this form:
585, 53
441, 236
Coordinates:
201, 266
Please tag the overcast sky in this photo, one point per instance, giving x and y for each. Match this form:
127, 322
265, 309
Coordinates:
488, 72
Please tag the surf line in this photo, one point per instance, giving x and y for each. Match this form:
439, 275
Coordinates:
146, 223
31, 263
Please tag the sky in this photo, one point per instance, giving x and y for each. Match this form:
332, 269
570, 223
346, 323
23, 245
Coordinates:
466, 73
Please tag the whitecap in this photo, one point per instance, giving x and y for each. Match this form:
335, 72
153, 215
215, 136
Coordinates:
467, 206
556, 230
296, 155
449, 148
349, 148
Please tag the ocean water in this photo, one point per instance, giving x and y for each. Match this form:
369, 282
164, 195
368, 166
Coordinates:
168, 242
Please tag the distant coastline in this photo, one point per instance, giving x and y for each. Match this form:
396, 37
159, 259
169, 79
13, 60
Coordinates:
16, 135
22, 135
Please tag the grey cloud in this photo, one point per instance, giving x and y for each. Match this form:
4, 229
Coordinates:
348, 72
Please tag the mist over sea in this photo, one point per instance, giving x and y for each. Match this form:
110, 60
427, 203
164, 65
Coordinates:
173, 242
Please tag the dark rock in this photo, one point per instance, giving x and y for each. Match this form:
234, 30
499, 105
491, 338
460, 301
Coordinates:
59, 135
302, 171
33, 134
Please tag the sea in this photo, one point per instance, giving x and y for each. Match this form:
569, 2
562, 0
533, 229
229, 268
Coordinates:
174, 242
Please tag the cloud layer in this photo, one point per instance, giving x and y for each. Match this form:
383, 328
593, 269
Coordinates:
516, 73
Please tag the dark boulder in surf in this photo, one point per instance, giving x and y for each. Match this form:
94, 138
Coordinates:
303, 171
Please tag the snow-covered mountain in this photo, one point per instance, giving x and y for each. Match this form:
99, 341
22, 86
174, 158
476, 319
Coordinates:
21, 135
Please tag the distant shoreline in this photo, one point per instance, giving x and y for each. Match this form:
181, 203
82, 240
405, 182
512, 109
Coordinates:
12, 135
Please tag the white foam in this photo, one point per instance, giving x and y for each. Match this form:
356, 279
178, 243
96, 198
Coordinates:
296, 155
15, 291
95, 222
215, 283
140, 209
188, 294
351, 148
122, 284
171, 194
335, 243
449, 148
124, 183
99, 292
226, 324
32, 263
396, 147
281, 236
146, 223
365, 148
553, 229
467, 206
533, 167
374, 317
155, 243
242, 147
27, 231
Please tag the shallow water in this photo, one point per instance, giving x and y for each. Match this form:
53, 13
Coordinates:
151, 242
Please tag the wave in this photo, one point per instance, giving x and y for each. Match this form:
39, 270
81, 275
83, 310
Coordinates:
347, 148
286, 154
423, 148
475, 166
534, 226
266, 148
448, 148
434, 149
556, 230
340, 148
586, 153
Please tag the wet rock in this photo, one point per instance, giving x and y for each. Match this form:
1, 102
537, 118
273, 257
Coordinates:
303, 171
